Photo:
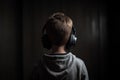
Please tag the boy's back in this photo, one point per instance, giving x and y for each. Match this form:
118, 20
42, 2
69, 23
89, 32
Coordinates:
60, 67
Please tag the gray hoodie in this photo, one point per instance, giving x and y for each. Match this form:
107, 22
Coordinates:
60, 67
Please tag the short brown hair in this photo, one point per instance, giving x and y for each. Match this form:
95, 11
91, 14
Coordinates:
58, 28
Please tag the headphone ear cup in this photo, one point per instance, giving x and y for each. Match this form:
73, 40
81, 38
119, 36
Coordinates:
46, 42
71, 42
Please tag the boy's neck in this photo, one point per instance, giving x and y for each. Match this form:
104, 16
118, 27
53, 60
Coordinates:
58, 49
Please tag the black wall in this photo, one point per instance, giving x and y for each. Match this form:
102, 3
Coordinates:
20, 35
11, 54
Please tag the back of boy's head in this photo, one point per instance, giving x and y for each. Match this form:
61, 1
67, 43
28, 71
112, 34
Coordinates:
58, 28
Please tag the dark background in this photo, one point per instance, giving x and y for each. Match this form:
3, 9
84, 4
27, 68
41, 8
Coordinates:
96, 22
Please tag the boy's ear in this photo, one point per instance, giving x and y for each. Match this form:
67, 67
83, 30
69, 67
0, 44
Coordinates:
46, 42
72, 39
44, 39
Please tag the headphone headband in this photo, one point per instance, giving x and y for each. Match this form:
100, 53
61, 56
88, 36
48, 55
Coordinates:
73, 30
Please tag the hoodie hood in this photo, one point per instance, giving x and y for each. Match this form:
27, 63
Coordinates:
58, 64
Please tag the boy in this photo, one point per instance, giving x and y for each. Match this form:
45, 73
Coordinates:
59, 64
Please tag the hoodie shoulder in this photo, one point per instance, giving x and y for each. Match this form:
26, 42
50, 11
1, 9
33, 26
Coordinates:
82, 70
78, 60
